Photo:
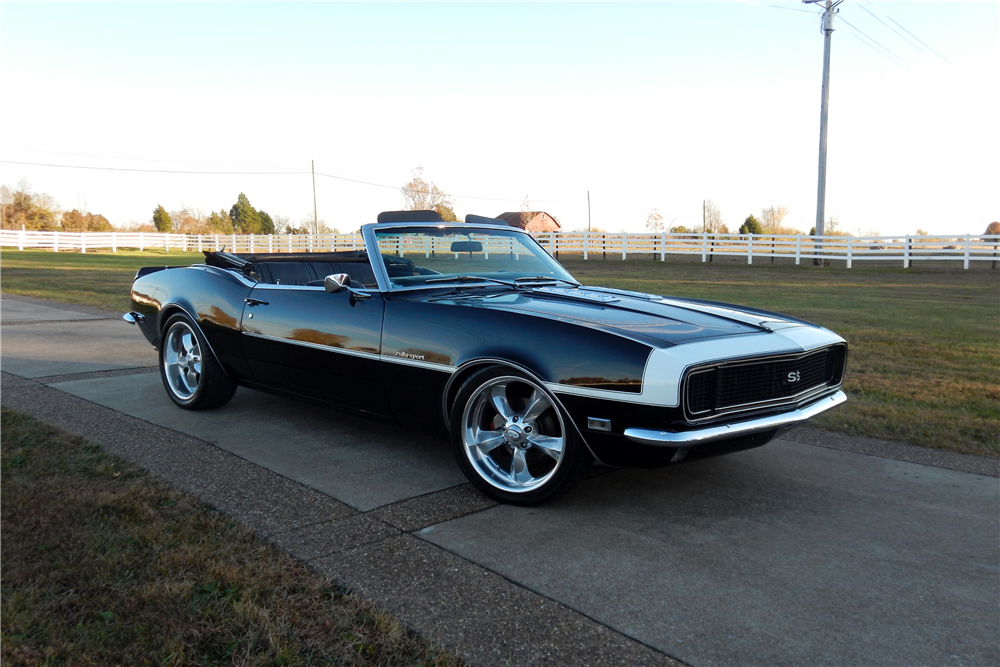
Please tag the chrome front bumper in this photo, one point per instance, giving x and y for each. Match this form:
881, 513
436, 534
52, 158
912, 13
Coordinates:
703, 436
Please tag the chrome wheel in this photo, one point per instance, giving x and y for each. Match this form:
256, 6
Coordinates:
512, 434
182, 361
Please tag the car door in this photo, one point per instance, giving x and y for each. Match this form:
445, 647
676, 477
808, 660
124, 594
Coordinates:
311, 342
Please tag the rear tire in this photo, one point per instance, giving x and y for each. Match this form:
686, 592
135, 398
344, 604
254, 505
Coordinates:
194, 380
512, 440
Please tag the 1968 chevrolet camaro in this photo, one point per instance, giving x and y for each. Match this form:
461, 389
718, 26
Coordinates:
474, 332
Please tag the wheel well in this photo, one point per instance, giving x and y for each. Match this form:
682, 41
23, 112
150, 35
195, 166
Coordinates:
174, 309
457, 380
169, 312
465, 372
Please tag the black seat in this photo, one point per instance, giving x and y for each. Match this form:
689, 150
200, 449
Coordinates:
284, 273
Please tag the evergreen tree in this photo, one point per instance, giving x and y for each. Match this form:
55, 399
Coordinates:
751, 226
162, 221
266, 222
245, 219
221, 222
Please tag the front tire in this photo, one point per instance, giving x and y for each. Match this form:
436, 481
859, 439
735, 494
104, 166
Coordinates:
512, 440
194, 380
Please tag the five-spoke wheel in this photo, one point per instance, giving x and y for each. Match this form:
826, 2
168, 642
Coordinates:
512, 440
191, 375
182, 361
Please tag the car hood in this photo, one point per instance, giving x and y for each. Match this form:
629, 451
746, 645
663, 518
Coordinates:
647, 317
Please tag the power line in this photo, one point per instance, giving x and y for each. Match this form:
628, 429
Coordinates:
146, 159
880, 48
879, 19
447, 194
792, 53
261, 173
910, 33
158, 171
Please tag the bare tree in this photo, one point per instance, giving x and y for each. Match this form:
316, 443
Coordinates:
654, 221
423, 195
712, 221
771, 219
526, 214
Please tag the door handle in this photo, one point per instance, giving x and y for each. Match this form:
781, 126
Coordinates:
250, 301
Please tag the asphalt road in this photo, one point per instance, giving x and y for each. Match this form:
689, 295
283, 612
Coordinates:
813, 550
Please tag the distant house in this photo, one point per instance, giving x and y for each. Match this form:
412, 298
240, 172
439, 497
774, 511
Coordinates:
538, 221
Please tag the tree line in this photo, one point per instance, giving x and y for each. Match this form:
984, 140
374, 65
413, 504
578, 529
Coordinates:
23, 208
241, 218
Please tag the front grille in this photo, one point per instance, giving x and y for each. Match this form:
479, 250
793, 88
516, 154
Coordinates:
717, 389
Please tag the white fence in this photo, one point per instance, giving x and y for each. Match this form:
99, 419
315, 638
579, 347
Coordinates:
759, 247
251, 243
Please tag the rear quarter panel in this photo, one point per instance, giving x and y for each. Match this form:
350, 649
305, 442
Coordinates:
210, 296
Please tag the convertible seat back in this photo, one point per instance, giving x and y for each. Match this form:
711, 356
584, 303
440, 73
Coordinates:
310, 269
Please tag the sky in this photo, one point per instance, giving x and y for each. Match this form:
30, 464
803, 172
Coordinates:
643, 106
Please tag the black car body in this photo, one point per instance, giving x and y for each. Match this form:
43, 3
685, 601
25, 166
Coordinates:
472, 331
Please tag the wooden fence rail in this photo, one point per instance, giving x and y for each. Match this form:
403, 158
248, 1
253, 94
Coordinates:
760, 247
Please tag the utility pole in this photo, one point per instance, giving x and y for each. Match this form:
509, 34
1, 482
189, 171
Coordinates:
315, 217
824, 113
588, 210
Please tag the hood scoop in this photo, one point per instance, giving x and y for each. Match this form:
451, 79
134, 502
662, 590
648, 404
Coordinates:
582, 294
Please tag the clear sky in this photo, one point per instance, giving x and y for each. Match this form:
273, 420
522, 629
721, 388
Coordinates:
644, 105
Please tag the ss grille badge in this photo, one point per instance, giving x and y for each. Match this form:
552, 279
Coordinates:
794, 376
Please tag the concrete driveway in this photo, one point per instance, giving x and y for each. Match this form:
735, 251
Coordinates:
798, 553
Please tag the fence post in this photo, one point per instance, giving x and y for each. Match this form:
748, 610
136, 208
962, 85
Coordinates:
166, 243
967, 242
849, 248
586, 241
20, 239
798, 249
624, 246
906, 253
141, 242
251, 244
704, 247
749, 248
199, 243
663, 246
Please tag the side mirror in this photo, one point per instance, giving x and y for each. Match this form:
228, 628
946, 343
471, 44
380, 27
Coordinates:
336, 281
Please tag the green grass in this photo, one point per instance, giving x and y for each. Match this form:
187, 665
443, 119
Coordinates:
924, 359
105, 565
100, 279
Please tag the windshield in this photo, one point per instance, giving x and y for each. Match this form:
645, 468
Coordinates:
431, 256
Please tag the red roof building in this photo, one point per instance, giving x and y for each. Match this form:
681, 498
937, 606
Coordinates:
538, 221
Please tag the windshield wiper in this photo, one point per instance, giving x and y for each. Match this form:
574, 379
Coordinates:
470, 279
546, 279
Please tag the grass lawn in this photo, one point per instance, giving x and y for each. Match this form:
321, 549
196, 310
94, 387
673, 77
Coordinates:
924, 362
101, 279
105, 565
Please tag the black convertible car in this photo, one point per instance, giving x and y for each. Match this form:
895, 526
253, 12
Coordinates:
474, 332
